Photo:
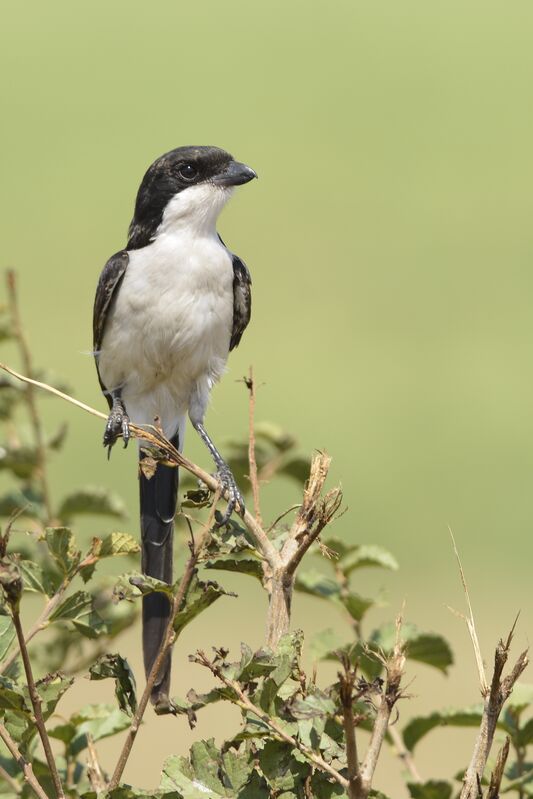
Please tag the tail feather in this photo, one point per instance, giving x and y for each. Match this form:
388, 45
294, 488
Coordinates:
158, 497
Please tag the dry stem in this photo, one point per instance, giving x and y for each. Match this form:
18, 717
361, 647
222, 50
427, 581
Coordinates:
245, 704
24, 766
347, 680
36, 704
30, 393
497, 774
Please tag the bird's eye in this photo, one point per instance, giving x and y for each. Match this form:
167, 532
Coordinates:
187, 172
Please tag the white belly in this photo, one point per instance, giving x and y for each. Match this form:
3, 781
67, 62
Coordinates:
167, 339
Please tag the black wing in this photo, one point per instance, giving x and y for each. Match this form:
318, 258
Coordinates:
242, 300
106, 291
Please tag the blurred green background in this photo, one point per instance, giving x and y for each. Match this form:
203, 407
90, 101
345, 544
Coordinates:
390, 242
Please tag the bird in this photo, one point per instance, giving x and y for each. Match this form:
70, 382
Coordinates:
168, 310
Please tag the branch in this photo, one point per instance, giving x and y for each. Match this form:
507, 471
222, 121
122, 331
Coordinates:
245, 704
497, 774
347, 680
13, 784
36, 703
24, 766
500, 690
151, 435
404, 754
250, 385
394, 667
168, 642
40, 446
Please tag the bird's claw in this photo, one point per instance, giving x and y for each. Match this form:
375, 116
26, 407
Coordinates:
118, 424
229, 485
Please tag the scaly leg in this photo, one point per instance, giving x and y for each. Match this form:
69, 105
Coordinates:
118, 423
224, 475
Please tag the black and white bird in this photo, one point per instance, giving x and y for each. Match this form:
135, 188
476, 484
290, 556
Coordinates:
168, 310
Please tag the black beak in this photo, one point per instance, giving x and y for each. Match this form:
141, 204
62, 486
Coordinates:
234, 175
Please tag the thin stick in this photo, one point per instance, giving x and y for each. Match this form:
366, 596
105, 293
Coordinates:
36, 704
151, 435
30, 393
404, 754
471, 624
497, 774
24, 766
250, 384
168, 641
94, 770
245, 704
10, 780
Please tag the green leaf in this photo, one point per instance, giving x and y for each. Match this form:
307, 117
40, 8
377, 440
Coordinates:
324, 643
244, 562
12, 697
62, 547
315, 705
199, 597
316, 584
26, 497
525, 734
79, 609
118, 544
51, 688
428, 648
433, 789
297, 468
117, 668
132, 586
356, 605
39, 579
421, 725
92, 500
366, 555
323, 787
7, 635
20, 460
280, 767
179, 775
98, 721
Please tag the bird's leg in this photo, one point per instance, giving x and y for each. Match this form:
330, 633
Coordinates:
224, 475
118, 422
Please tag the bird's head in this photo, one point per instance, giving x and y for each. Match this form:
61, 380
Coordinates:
187, 186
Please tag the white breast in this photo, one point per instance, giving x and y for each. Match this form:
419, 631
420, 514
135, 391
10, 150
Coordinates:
167, 339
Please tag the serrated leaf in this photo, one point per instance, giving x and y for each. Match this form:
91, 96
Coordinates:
118, 544
316, 584
356, 605
79, 609
314, 705
51, 688
323, 787
199, 597
98, 721
175, 778
280, 767
364, 556
244, 562
39, 579
433, 789
324, 643
62, 547
7, 635
92, 500
428, 648
118, 669
132, 586
421, 725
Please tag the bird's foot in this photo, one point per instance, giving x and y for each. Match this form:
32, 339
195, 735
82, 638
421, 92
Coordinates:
117, 425
229, 485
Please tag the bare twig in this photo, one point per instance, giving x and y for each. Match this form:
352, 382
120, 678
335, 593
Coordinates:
245, 704
347, 680
94, 770
391, 693
499, 692
40, 447
497, 774
250, 385
13, 784
36, 704
404, 754
167, 643
24, 766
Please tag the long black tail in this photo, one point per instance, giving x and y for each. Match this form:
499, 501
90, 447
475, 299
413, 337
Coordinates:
158, 497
